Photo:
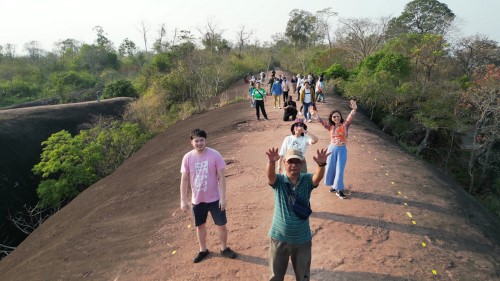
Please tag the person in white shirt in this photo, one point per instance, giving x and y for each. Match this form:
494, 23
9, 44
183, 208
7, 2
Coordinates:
299, 140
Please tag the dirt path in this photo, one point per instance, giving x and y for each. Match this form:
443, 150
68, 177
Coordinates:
403, 220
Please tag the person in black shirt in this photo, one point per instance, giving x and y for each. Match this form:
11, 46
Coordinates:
290, 109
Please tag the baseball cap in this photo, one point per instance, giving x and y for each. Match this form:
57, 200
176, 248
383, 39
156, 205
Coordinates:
293, 153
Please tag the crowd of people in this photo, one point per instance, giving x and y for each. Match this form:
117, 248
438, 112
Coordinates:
290, 235
309, 91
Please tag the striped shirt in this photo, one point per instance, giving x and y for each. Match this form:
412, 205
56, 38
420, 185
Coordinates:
287, 226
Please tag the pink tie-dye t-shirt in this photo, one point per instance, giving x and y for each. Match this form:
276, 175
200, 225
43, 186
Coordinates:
202, 170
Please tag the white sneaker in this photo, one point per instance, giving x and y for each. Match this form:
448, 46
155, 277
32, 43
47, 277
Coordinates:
300, 113
275, 107
309, 120
279, 107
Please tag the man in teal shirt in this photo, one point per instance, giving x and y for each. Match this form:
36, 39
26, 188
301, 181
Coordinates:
290, 234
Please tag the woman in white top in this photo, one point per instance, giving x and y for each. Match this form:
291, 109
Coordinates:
299, 140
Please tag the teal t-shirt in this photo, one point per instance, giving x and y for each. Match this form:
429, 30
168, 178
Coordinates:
287, 226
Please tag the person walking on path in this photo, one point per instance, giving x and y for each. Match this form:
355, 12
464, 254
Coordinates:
290, 234
285, 87
259, 96
203, 169
277, 92
293, 84
339, 130
300, 139
308, 98
320, 88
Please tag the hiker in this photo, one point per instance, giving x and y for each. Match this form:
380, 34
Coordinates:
259, 96
308, 98
300, 139
203, 169
293, 84
300, 83
285, 87
320, 86
277, 92
290, 233
336, 163
262, 76
250, 91
290, 108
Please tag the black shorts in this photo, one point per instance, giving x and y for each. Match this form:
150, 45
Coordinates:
201, 210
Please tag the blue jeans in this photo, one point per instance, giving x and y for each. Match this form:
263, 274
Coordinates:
335, 167
307, 114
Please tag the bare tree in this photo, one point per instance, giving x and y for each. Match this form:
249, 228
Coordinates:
361, 37
476, 51
31, 218
211, 36
324, 26
143, 29
242, 38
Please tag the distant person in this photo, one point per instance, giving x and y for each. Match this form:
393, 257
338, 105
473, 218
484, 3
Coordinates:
300, 83
320, 86
290, 232
285, 87
290, 108
250, 91
203, 169
277, 92
308, 98
259, 96
262, 76
339, 130
293, 84
300, 139
98, 96
271, 83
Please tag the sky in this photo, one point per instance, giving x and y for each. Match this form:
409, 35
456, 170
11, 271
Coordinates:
49, 21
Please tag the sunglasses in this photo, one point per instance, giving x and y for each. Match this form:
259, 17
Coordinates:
294, 161
336, 116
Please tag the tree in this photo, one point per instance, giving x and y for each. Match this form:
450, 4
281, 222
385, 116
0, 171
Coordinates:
127, 48
483, 102
242, 38
66, 167
102, 40
120, 88
301, 28
143, 29
33, 49
476, 51
161, 45
361, 37
324, 26
212, 38
422, 16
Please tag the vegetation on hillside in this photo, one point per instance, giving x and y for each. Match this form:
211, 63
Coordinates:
437, 95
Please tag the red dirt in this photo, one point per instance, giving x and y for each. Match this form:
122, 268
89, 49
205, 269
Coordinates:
128, 226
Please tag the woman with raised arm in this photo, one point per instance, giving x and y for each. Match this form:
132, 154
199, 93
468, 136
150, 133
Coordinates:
339, 129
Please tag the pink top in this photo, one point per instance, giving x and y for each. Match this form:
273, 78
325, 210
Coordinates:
338, 133
202, 170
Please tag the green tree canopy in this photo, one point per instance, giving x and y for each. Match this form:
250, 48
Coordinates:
422, 16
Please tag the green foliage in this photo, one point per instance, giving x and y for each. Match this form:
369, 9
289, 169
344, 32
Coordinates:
63, 83
422, 16
69, 164
336, 71
120, 88
64, 168
301, 28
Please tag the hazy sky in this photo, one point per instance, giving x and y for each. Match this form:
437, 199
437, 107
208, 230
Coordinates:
48, 21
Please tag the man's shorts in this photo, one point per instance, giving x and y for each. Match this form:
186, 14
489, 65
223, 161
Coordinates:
201, 210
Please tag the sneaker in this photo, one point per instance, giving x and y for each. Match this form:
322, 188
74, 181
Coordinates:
309, 121
300, 113
275, 107
341, 194
228, 253
333, 190
200, 256
279, 107
266, 118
